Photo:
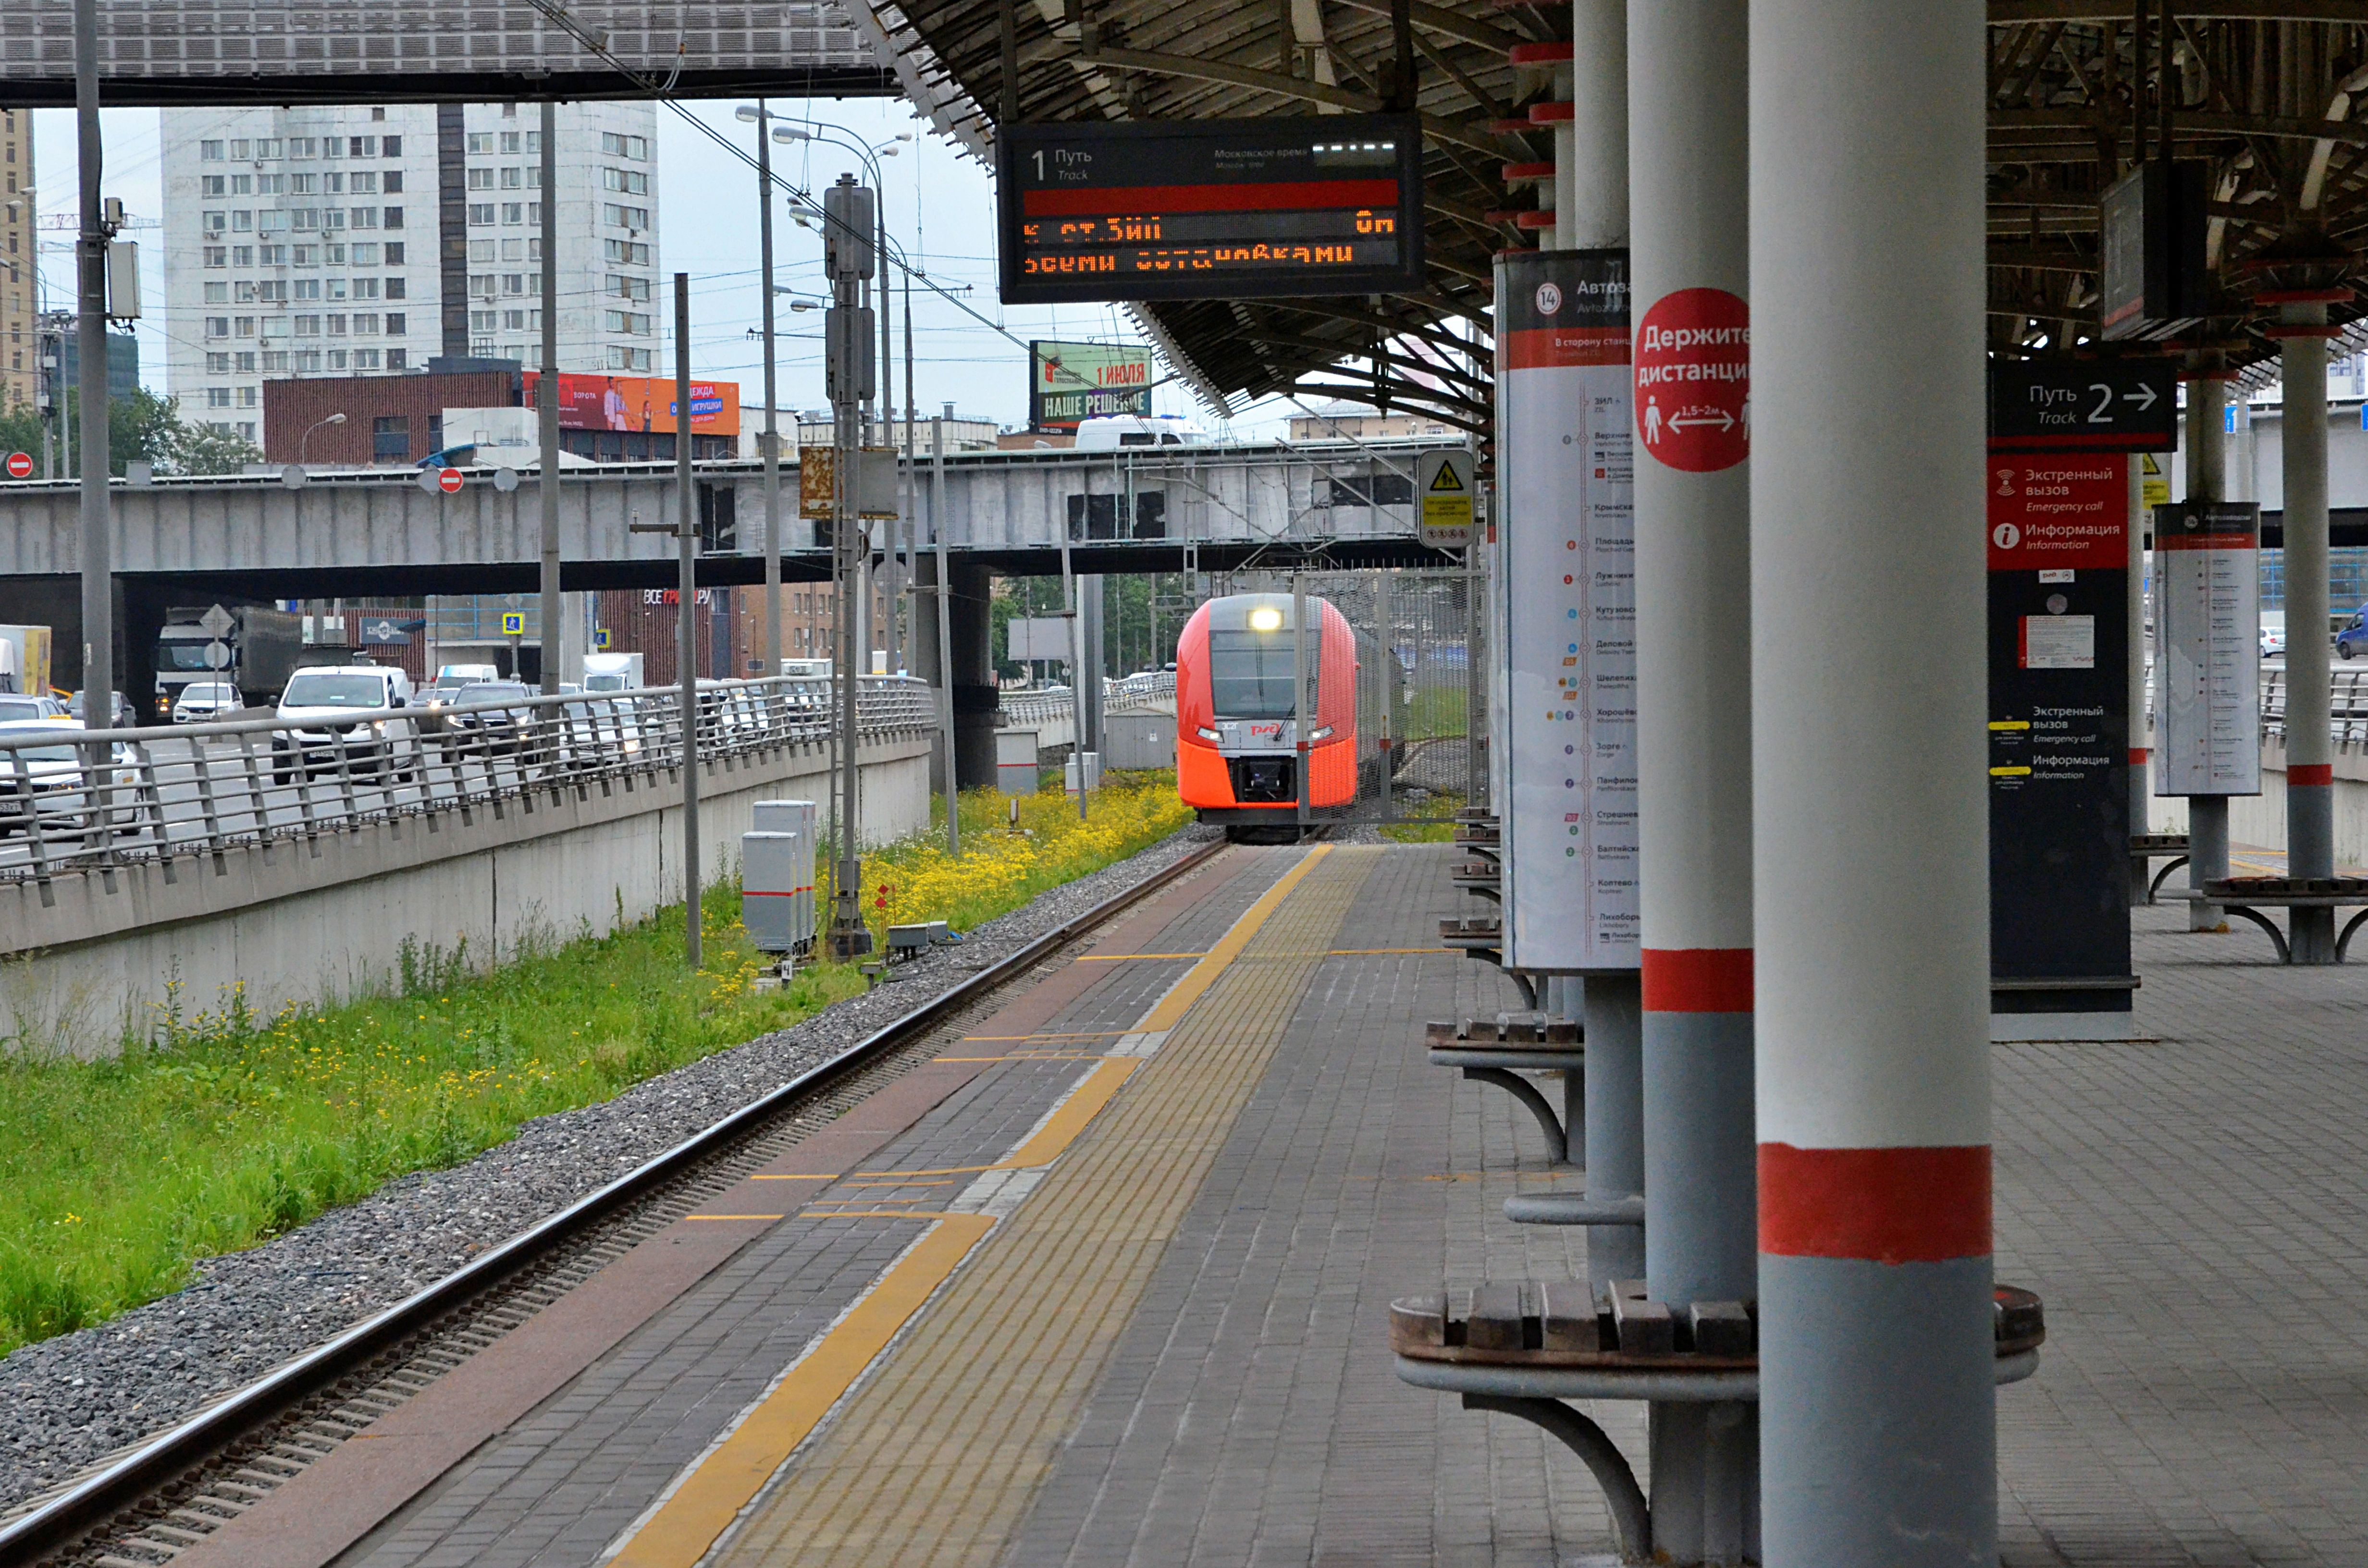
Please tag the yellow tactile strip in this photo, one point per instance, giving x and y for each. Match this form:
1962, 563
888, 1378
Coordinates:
934, 1460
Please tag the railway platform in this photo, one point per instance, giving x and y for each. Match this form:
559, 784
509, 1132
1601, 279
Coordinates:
1104, 1275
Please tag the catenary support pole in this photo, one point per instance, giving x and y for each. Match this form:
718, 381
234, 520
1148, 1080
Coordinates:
687, 617
2310, 755
772, 440
96, 541
1688, 122
945, 631
1595, 218
2207, 480
1878, 1441
551, 612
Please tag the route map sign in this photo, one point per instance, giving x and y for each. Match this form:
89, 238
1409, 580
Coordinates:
1201, 210
1567, 586
1071, 382
2208, 627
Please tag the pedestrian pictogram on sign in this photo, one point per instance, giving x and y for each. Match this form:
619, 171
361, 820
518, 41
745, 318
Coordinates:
1693, 381
449, 482
20, 465
513, 623
601, 637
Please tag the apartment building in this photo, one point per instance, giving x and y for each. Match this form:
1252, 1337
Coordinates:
365, 240
20, 353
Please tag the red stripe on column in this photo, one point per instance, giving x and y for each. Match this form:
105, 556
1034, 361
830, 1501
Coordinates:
1697, 980
2138, 756
2308, 773
1918, 1204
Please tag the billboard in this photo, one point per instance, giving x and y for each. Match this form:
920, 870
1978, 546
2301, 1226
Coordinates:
1070, 382
640, 403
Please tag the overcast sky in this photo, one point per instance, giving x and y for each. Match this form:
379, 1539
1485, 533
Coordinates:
941, 208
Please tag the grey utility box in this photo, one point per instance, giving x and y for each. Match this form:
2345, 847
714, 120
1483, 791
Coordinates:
1138, 740
776, 876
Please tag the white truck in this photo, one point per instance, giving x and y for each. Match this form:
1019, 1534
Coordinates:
24, 659
612, 672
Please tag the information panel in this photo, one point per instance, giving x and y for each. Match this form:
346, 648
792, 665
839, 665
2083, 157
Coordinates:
2059, 731
1201, 210
2208, 627
1566, 580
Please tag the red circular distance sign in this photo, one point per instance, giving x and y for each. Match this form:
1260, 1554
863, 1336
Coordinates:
449, 482
1693, 381
20, 465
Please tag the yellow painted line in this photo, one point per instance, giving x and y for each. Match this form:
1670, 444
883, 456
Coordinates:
940, 1170
1121, 958
1007, 1039
1029, 1056
897, 1182
732, 1216
1200, 976
794, 1178
1381, 952
1085, 1103
711, 1496
878, 1215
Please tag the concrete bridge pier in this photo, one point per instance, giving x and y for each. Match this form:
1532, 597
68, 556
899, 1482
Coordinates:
975, 694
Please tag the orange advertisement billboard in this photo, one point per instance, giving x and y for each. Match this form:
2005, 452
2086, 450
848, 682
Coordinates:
640, 403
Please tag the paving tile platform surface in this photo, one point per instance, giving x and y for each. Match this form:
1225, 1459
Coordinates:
2193, 1207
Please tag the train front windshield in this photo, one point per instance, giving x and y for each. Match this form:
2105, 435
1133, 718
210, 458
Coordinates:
1250, 674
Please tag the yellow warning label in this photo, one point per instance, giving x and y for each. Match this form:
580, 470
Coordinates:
2009, 772
2010, 724
1446, 480
2153, 486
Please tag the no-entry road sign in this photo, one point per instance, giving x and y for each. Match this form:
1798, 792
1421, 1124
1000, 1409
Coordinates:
1694, 379
20, 465
449, 480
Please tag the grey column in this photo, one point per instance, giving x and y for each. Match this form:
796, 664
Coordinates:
1089, 615
2310, 752
2207, 480
1615, 1121
2141, 737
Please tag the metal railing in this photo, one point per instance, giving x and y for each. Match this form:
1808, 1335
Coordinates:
1121, 694
181, 792
2347, 707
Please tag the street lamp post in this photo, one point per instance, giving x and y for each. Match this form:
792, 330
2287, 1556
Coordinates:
769, 442
847, 260
305, 442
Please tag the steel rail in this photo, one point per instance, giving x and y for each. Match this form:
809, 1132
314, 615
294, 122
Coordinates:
166, 1458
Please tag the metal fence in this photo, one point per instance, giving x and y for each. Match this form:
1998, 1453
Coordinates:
186, 791
2346, 706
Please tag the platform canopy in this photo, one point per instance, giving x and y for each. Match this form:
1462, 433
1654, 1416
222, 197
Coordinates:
287, 52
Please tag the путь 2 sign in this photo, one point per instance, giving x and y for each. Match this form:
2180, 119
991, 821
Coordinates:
1211, 210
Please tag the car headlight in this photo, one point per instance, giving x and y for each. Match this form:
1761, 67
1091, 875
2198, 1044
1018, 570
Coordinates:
1207, 734
378, 726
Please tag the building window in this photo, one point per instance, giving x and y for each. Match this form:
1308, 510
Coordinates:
334, 185
242, 221
513, 321
246, 428
273, 256
213, 222
391, 437
242, 256
219, 294
362, 218
210, 152
628, 253
306, 255
308, 361
242, 326
481, 213
308, 326
307, 288
363, 146
480, 250
268, 148
275, 359
634, 323
302, 147
217, 256
390, 183
365, 253
366, 325
242, 185
481, 285
617, 147
337, 359
272, 291
332, 255
394, 288
479, 179
480, 142
511, 178
394, 326
394, 253
363, 184
337, 326
333, 146
513, 282
393, 217
534, 177
509, 138
218, 326
246, 363
392, 146
217, 397
335, 287
213, 185
271, 221
217, 364
397, 359
618, 217
303, 184
629, 287
247, 397
271, 184
629, 358
631, 182
483, 321
513, 212
239, 148
365, 359
365, 288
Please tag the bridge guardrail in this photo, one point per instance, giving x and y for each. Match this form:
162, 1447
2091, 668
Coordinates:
173, 792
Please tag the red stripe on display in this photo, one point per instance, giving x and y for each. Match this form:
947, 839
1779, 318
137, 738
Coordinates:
2207, 542
1697, 980
1279, 196
2307, 773
1914, 1205
1552, 347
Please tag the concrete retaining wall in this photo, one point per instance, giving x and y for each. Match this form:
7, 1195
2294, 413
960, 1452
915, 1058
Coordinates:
2260, 820
316, 923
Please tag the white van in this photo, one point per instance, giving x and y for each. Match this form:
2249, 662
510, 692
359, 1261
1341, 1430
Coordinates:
612, 672
1109, 432
336, 712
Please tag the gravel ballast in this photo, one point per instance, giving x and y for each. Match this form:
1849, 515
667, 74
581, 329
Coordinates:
67, 1401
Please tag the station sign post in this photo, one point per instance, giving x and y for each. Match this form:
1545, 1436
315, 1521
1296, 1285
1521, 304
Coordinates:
2063, 435
1567, 602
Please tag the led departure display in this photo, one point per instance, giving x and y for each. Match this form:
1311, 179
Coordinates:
1198, 210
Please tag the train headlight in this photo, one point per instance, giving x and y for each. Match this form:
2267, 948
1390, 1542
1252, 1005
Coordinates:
1207, 734
1323, 734
1266, 617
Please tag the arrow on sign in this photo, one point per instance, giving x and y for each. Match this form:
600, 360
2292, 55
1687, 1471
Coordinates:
2145, 397
1725, 421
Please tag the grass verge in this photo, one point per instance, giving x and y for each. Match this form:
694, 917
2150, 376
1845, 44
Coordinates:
117, 1176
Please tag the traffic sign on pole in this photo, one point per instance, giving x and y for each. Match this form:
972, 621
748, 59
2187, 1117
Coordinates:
1694, 379
20, 465
449, 480
513, 623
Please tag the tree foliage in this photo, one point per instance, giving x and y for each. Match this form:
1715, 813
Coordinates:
141, 428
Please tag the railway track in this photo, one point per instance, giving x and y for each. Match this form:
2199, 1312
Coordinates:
167, 1493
